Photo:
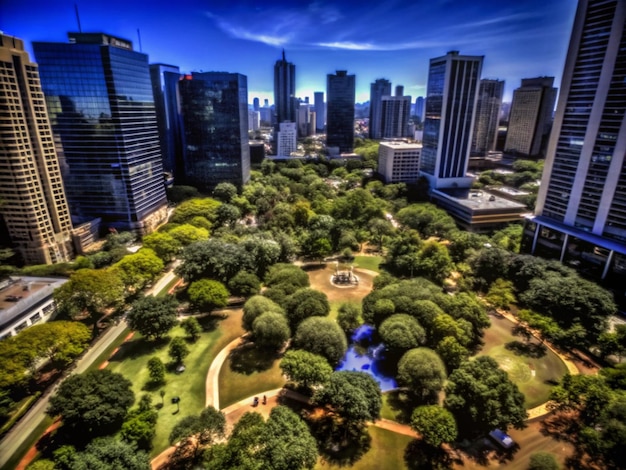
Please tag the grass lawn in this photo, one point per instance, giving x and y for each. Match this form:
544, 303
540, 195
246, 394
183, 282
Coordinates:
386, 451
131, 361
534, 368
368, 262
248, 372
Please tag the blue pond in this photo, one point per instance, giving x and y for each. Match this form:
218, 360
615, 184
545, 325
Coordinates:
363, 356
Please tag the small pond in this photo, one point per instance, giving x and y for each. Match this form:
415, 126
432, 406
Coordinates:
364, 356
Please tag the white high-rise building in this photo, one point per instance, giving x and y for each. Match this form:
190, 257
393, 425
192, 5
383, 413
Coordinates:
286, 139
452, 91
581, 206
398, 162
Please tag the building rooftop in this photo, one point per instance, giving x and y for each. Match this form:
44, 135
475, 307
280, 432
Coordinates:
19, 294
479, 199
398, 144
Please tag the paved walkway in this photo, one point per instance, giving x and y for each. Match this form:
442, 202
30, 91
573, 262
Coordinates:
213, 376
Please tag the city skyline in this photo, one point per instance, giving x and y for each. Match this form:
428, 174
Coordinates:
393, 41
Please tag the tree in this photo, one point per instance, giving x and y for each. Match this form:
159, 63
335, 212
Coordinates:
482, 397
451, 352
243, 447
207, 294
185, 211
423, 372
244, 284
156, 369
186, 234
305, 368
137, 270
586, 394
401, 332
191, 327
271, 330
58, 341
349, 317
433, 262
490, 264
92, 403
380, 228
305, 303
90, 291
178, 350
163, 244
106, 453
319, 248
153, 317
225, 192
543, 461
355, 396
288, 277
435, 424
288, 443
322, 336
215, 259
256, 306
427, 219
195, 433
140, 426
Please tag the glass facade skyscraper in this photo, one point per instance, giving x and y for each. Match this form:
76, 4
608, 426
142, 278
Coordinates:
165, 80
215, 122
340, 92
284, 91
101, 107
378, 89
452, 91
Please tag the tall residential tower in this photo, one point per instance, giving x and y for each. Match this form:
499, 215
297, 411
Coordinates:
452, 91
33, 203
581, 206
99, 98
378, 89
284, 91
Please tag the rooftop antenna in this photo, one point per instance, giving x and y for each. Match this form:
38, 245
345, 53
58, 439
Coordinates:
139, 36
80, 30
283, 55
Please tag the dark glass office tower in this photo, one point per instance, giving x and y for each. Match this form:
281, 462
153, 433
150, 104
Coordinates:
378, 89
340, 91
101, 108
452, 92
165, 80
487, 116
215, 122
285, 91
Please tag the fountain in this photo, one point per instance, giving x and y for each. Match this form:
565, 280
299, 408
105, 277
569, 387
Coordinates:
364, 357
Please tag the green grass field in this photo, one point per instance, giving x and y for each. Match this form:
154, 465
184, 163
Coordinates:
386, 451
189, 386
368, 262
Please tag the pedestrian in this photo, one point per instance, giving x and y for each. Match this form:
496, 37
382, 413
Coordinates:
264, 399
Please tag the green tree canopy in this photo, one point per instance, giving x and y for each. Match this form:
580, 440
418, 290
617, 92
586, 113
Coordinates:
186, 234
288, 277
92, 403
482, 397
543, 461
271, 330
435, 424
178, 350
305, 303
305, 368
153, 317
163, 244
423, 372
192, 327
207, 294
349, 317
244, 284
186, 210
137, 270
105, 453
322, 336
256, 306
401, 332
197, 432
355, 396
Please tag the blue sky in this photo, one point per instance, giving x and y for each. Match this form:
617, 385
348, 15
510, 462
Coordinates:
390, 39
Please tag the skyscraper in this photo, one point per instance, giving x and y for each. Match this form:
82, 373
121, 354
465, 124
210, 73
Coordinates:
33, 206
395, 111
165, 80
340, 92
487, 116
284, 91
378, 89
320, 111
419, 108
452, 91
581, 206
287, 138
215, 122
101, 106
531, 117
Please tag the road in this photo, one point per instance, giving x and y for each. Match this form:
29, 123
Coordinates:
33, 418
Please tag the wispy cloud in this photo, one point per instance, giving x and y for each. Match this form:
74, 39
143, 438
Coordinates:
368, 46
242, 33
